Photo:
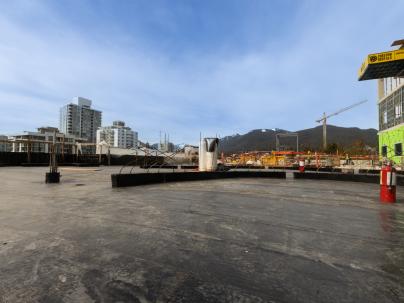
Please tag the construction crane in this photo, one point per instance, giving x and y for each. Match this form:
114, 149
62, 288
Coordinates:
325, 117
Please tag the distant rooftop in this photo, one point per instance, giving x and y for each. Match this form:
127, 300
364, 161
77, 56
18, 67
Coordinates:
82, 101
118, 123
47, 129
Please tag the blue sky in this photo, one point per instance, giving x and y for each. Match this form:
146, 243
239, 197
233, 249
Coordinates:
185, 67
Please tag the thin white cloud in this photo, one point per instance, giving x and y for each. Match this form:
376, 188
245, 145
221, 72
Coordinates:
289, 87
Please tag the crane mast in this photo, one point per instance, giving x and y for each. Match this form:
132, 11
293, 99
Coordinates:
325, 117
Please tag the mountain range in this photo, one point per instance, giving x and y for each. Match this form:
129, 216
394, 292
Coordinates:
311, 138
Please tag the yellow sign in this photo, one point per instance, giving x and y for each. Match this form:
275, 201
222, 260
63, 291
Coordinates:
380, 58
363, 67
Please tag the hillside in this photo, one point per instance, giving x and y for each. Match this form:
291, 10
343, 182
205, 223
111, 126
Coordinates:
308, 138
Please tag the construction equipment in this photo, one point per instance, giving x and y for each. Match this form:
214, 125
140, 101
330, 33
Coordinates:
284, 135
325, 117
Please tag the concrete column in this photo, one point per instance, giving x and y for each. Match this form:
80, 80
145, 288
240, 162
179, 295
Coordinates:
380, 88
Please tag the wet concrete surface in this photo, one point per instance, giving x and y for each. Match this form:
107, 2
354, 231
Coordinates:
238, 240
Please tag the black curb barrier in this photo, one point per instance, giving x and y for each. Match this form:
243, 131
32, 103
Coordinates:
307, 168
369, 171
61, 164
180, 166
365, 178
123, 180
377, 171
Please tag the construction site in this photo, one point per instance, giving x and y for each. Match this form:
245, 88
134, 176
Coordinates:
227, 240
197, 225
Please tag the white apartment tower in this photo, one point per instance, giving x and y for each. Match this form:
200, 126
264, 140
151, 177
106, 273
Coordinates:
80, 120
117, 135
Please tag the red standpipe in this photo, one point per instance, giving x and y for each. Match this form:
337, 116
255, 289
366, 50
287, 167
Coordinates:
301, 165
388, 184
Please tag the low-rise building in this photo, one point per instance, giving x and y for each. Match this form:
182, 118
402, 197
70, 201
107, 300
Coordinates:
118, 135
4, 145
166, 147
191, 151
41, 141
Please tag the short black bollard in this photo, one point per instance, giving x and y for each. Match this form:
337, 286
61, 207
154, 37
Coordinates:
53, 177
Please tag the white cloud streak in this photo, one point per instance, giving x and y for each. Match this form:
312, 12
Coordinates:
42, 68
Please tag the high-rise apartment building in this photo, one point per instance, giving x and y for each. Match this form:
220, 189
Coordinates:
117, 135
80, 120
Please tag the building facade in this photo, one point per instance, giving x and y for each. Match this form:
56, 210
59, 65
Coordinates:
388, 68
118, 135
391, 119
80, 120
164, 146
40, 141
4, 145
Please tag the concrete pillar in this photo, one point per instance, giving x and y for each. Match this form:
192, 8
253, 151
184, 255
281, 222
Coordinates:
208, 154
380, 88
202, 154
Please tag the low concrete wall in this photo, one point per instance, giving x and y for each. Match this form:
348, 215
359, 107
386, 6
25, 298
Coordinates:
377, 171
122, 180
365, 178
169, 166
42, 159
307, 168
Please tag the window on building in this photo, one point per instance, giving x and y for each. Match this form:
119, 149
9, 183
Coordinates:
384, 151
398, 149
384, 117
398, 111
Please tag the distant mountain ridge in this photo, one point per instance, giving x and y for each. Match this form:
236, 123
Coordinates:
311, 138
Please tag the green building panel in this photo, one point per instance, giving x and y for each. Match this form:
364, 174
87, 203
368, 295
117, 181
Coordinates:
391, 144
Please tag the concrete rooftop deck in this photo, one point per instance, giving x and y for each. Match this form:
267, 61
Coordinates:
238, 240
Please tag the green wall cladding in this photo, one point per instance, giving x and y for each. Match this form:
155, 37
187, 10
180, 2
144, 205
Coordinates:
389, 138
